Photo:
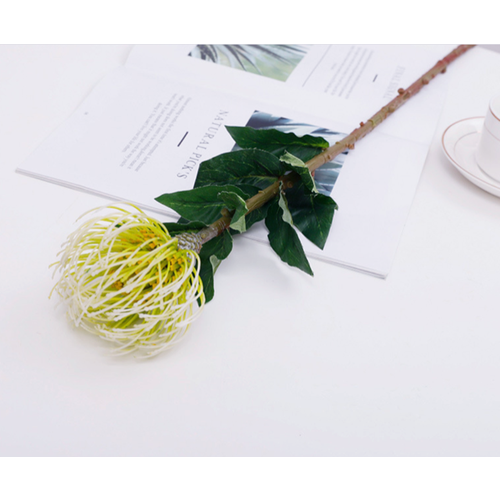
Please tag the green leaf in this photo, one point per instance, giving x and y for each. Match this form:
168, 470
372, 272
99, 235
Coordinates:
282, 236
249, 170
256, 215
276, 142
200, 204
178, 227
253, 168
297, 165
236, 203
211, 255
312, 213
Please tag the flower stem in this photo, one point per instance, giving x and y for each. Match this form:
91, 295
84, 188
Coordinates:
287, 181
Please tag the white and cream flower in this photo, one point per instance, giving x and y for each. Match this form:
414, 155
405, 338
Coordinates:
126, 279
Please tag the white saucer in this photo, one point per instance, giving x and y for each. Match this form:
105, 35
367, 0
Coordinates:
460, 141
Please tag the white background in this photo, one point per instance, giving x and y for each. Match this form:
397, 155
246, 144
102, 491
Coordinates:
279, 364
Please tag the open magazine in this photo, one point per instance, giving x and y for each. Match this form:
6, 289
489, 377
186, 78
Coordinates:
146, 127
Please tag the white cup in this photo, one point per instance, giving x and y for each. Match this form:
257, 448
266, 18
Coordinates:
488, 150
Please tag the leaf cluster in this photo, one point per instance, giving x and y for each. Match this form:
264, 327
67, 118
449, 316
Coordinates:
228, 181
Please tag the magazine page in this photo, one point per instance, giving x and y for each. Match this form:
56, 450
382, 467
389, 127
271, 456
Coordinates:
343, 83
336, 83
136, 137
140, 134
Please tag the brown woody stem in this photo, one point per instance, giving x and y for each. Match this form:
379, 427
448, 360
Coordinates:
348, 142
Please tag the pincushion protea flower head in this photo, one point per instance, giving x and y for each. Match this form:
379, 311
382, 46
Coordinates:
124, 278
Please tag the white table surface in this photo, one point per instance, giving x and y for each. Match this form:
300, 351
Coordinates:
279, 364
